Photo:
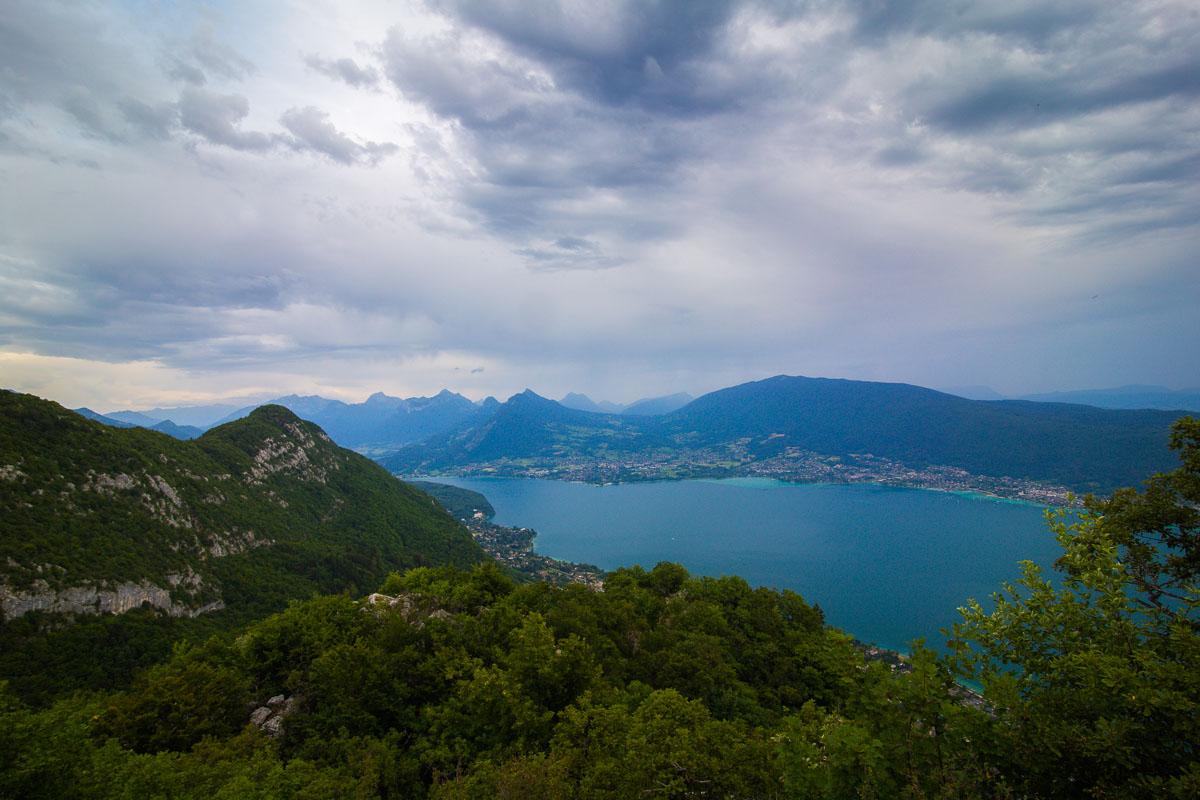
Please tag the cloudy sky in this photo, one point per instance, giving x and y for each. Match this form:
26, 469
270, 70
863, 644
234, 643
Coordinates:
626, 198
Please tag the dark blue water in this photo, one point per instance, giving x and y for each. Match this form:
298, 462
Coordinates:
887, 565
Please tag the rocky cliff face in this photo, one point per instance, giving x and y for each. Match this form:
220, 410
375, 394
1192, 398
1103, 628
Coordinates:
101, 598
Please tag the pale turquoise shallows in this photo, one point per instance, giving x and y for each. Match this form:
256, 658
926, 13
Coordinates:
886, 564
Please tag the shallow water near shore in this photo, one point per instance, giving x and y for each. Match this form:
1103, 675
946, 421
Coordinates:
886, 564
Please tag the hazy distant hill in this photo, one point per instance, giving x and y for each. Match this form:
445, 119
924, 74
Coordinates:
383, 423
647, 406
132, 419
530, 425
1086, 448
974, 392
200, 416
1128, 397
581, 402
104, 419
178, 431
651, 406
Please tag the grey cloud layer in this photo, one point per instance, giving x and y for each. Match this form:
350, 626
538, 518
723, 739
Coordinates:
346, 70
57, 57
655, 187
558, 101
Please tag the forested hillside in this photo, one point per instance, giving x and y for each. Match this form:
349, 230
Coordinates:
790, 418
95, 519
456, 684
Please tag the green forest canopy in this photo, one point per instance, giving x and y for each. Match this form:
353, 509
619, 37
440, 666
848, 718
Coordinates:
462, 684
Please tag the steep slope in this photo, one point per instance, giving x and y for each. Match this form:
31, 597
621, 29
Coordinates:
99, 519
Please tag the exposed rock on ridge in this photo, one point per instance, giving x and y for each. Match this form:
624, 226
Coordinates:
91, 598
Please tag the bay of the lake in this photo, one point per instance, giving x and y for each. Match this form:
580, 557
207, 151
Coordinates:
886, 564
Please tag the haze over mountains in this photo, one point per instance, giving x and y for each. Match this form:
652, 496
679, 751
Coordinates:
647, 405
132, 419
1128, 397
1135, 396
1084, 447
1081, 447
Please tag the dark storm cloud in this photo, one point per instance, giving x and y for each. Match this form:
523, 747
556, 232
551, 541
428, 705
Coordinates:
550, 121
1030, 20
558, 102
640, 52
1022, 101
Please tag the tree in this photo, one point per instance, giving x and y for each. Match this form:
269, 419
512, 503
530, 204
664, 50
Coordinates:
1157, 531
1095, 682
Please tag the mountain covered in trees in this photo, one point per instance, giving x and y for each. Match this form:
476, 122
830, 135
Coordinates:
1081, 447
763, 427
102, 520
461, 685
455, 683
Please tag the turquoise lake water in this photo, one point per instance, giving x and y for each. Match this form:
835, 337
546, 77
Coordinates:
886, 564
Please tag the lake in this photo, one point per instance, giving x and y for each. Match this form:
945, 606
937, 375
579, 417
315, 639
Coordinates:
886, 564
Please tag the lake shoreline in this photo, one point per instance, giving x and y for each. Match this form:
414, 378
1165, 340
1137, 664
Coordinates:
1066, 498
843, 545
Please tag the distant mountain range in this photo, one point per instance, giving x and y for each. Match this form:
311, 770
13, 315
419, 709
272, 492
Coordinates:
646, 406
1125, 397
383, 423
581, 402
379, 425
658, 405
132, 419
1081, 447
1046, 438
